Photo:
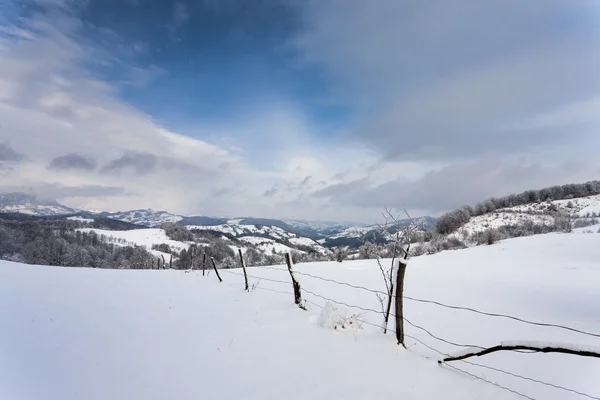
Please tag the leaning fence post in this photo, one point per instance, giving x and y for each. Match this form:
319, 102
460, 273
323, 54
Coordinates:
192, 250
399, 301
215, 267
171, 262
203, 263
244, 268
295, 283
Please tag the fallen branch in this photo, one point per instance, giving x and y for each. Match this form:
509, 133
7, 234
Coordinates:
538, 347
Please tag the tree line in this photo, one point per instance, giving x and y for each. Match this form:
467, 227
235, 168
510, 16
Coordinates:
61, 243
453, 220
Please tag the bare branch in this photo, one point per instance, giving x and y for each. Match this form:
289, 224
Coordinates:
536, 348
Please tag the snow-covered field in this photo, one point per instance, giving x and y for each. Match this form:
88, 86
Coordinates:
71, 333
142, 237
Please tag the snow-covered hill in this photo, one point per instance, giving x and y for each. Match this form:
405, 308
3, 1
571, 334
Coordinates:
140, 237
268, 237
149, 218
30, 205
71, 333
275, 234
584, 209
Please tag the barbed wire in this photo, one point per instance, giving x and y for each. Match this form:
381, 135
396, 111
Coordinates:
440, 339
417, 327
255, 277
393, 315
491, 314
449, 306
531, 379
490, 382
341, 303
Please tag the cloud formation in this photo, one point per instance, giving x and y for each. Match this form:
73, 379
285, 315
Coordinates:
72, 161
7, 153
140, 163
449, 103
455, 80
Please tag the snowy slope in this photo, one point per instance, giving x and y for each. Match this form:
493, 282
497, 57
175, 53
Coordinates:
74, 333
148, 217
141, 237
270, 237
27, 204
266, 245
539, 213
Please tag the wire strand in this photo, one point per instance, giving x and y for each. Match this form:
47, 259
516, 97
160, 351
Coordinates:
491, 314
422, 329
490, 382
531, 379
449, 306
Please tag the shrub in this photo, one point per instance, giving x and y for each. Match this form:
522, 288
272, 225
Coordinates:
453, 243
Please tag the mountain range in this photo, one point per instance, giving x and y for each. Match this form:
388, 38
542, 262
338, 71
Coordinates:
301, 234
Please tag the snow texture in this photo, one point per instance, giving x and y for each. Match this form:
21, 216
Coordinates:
141, 237
74, 333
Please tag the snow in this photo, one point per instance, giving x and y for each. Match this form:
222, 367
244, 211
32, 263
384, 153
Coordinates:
141, 237
80, 219
352, 232
511, 216
303, 241
501, 218
146, 217
267, 245
36, 209
71, 333
266, 236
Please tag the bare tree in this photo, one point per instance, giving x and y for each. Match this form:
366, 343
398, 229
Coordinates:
399, 235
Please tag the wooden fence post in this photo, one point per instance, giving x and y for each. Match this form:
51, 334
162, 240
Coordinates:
203, 263
171, 262
295, 283
164, 262
399, 302
215, 267
247, 289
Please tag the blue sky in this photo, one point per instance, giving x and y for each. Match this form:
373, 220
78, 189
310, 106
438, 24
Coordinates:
217, 60
296, 109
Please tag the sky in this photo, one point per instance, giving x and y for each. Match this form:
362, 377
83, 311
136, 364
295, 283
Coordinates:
319, 110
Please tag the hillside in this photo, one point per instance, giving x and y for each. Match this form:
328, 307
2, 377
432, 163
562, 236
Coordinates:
581, 212
269, 238
31, 205
167, 334
552, 209
266, 233
148, 218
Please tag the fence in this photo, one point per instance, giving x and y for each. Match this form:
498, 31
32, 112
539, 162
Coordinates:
445, 359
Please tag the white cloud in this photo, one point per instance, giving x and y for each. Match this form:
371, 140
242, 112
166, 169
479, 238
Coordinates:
57, 110
448, 110
440, 78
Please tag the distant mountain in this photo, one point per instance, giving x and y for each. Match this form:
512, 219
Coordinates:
149, 218
355, 236
31, 205
265, 232
201, 220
